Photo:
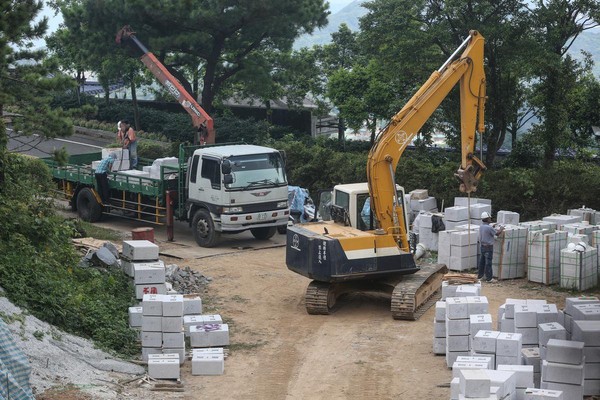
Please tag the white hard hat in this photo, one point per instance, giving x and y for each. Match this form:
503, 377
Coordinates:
485, 215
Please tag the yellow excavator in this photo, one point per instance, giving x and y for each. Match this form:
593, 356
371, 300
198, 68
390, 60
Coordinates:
364, 246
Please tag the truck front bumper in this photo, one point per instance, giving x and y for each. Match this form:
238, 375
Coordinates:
241, 222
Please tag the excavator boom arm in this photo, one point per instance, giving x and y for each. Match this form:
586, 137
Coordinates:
200, 118
467, 70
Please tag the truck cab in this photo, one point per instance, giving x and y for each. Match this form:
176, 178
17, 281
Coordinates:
235, 188
350, 204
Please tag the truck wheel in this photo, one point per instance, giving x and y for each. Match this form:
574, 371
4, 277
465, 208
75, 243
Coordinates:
88, 207
263, 233
204, 229
282, 229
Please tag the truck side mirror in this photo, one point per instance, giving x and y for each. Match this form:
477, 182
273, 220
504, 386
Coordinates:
227, 179
226, 167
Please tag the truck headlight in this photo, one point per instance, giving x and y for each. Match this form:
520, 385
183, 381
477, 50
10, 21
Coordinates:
282, 204
232, 209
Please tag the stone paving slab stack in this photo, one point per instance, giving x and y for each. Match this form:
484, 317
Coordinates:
486, 359
457, 329
543, 255
588, 332
476, 210
510, 253
588, 215
525, 317
538, 225
463, 250
172, 324
479, 322
439, 328
507, 217
561, 219
579, 269
508, 348
506, 321
563, 368
140, 261
580, 228
208, 361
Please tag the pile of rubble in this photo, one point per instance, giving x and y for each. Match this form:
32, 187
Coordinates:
185, 280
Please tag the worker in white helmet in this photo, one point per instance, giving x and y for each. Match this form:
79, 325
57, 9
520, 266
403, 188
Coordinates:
487, 234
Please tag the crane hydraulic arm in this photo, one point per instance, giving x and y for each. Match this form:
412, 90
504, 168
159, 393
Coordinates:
200, 118
466, 68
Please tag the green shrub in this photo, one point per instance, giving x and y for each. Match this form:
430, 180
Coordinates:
38, 264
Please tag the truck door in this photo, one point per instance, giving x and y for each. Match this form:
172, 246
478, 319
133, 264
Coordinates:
205, 180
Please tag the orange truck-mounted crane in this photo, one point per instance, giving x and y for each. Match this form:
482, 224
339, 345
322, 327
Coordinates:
200, 118
355, 253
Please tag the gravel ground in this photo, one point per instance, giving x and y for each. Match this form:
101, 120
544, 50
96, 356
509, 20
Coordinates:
59, 358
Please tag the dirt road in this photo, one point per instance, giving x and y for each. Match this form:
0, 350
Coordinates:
280, 352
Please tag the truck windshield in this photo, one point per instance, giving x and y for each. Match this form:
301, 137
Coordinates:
256, 171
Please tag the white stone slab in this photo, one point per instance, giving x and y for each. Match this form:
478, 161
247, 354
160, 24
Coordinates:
140, 250
146, 351
152, 323
135, 316
507, 360
457, 308
523, 374
547, 313
439, 345
529, 336
439, 329
151, 339
457, 327
552, 330
163, 368
172, 305
574, 392
543, 394
172, 324
477, 305
510, 307
209, 335
208, 364
479, 322
504, 380
573, 301
562, 373
152, 304
587, 332
507, 217
173, 340
485, 341
509, 344
149, 288
148, 272
564, 351
180, 351
474, 383
586, 312
531, 356
525, 316
192, 305
451, 357
457, 343
457, 367
592, 354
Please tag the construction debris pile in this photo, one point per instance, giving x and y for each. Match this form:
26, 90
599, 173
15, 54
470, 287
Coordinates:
537, 352
559, 249
186, 280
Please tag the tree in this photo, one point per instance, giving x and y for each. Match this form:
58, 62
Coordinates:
557, 24
27, 82
221, 38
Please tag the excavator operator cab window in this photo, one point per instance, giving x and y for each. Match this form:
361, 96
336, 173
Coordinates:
363, 212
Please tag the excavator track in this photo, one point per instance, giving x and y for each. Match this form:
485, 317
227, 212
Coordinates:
415, 293
319, 298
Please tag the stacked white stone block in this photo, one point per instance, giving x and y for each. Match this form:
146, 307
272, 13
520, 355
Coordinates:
510, 249
561, 219
457, 329
507, 217
570, 310
506, 315
525, 317
588, 215
579, 267
508, 348
463, 250
439, 328
172, 325
140, 261
154, 171
162, 326
208, 361
476, 207
563, 368
581, 228
543, 255
588, 333
538, 225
